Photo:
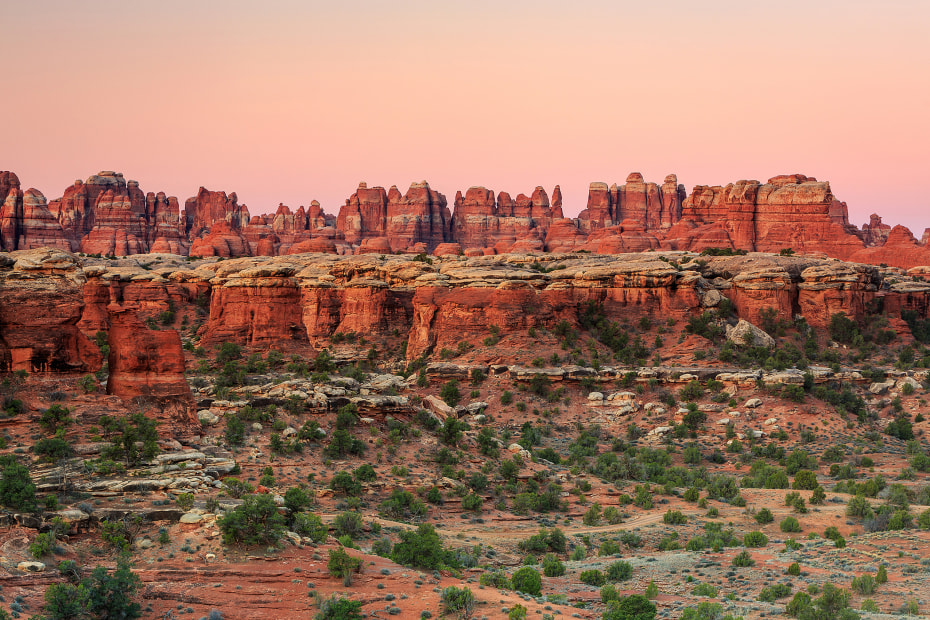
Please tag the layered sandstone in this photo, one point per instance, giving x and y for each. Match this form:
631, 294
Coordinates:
899, 249
303, 300
42, 298
207, 208
109, 215
653, 206
788, 211
482, 221
147, 366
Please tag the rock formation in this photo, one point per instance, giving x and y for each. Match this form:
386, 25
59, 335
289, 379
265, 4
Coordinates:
651, 205
207, 208
789, 211
899, 249
106, 214
480, 221
149, 365
42, 303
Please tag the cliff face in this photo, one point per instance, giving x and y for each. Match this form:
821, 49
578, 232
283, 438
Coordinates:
42, 304
148, 364
106, 214
791, 211
651, 205
481, 221
297, 303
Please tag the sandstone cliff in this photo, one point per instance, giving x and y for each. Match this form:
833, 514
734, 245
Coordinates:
108, 215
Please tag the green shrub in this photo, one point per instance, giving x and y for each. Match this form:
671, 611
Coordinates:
674, 517
705, 589
882, 575
743, 559
255, 522
43, 545
763, 516
458, 601
858, 506
772, 593
805, 479
864, 584
609, 593
55, 417
789, 524
17, 491
343, 565
619, 571
344, 482
608, 547
422, 549
527, 580
552, 566
592, 577
652, 590
339, 608
450, 393
310, 525
348, 523
52, 448
472, 502
634, 607
755, 539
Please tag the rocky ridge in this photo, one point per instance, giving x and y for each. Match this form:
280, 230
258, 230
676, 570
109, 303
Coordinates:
109, 215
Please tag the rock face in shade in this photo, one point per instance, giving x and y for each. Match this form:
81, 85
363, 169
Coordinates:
364, 214
120, 227
42, 304
25, 221
11, 210
148, 364
76, 210
164, 234
297, 301
37, 227
900, 249
224, 239
875, 232
564, 236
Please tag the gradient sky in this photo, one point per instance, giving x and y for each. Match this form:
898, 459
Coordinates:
287, 101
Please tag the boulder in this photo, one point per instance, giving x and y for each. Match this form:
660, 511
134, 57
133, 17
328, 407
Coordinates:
745, 333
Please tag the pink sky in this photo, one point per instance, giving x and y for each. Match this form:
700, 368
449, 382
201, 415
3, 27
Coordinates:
291, 101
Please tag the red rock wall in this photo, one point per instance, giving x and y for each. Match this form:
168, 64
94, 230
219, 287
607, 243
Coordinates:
107, 214
148, 365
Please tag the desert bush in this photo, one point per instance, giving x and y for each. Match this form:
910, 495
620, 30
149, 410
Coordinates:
619, 571
763, 516
592, 577
755, 539
343, 565
255, 522
743, 559
552, 567
634, 607
527, 580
